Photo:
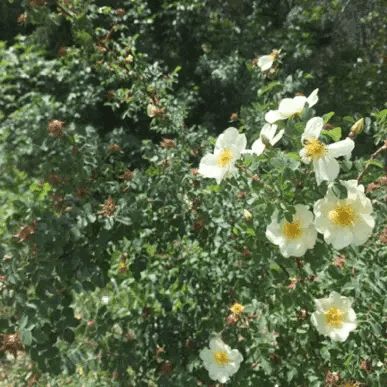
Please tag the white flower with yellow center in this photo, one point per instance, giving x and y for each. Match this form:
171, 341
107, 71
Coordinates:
295, 237
228, 149
220, 360
289, 107
267, 137
323, 156
345, 222
334, 317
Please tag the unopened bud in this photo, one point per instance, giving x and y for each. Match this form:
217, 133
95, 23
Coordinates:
357, 128
247, 214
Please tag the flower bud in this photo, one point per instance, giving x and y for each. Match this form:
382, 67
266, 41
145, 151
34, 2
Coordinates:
247, 214
357, 128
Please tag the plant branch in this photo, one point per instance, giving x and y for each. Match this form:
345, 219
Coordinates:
373, 156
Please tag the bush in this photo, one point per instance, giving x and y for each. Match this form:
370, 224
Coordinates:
119, 259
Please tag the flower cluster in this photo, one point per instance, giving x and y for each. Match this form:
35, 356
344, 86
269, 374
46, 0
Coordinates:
342, 221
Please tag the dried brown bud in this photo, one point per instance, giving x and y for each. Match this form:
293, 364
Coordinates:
110, 94
246, 252
255, 178
166, 368
167, 143
114, 148
108, 208
302, 314
55, 128
54, 179
90, 323
194, 171
234, 117
331, 378
231, 319
22, 18
127, 175
383, 236
241, 194
62, 51
10, 343
293, 283
120, 12
365, 365
37, 3
25, 232
339, 261
198, 225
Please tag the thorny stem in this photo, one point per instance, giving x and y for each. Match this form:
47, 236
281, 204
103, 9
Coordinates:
373, 156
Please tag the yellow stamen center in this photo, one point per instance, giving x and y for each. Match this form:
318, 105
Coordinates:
221, 358
225, 158
315, 149
334, 317
292, 230
237, 308
343, 215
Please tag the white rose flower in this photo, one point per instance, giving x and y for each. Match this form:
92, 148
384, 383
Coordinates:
267, 136
323, 156
220, 360
295, 237
288, 107
228, 149
334, 316
345, 222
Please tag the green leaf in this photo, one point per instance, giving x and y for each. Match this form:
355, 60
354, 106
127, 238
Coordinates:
334, 134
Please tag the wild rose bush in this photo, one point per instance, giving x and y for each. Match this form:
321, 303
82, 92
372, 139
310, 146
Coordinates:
195, 225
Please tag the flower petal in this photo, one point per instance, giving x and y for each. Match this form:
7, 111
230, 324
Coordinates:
313, 98
265, 62
274, 115
341, 148
277, 137
258, 147
313, 128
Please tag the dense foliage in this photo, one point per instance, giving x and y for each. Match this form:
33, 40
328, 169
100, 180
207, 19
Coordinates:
118, 259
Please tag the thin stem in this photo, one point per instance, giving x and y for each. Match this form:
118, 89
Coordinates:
373, 156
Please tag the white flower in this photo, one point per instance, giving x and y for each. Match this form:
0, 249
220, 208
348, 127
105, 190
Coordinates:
334, 316
220, 360
323, 156
228, 149
266, 61
289, 107
295, 237
267, 136
151, 110
345, 222
105, 300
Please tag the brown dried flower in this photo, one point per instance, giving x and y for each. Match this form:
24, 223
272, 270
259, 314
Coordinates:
22, 18
331, 378
11, 343
25, 232
339, 261
127, 175
168, 143
114, 148
234, 117
108, 208
55, 128
383, 236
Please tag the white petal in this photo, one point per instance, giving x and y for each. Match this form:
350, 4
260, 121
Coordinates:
227, 138
313, 128
326, 168
339, 334
268, 131
277, 137
341, 148
313, 98
274, 115
258, 147
206, 355
361, 232
291, 106
265, 62
341, 238
303, 214
208, 167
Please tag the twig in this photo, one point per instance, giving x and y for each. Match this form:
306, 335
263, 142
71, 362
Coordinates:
373, 156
